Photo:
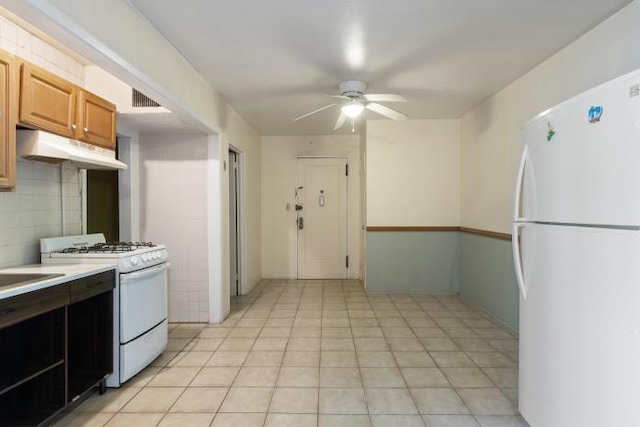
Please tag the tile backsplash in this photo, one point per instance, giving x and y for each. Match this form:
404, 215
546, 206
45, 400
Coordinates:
35, 210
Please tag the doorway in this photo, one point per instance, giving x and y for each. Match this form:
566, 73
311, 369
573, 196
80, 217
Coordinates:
236, 216
322, 212
103, 213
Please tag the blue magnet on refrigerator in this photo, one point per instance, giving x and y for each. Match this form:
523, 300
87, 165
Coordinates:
595, 112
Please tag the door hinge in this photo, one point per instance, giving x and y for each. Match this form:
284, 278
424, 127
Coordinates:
346, 170
347, 261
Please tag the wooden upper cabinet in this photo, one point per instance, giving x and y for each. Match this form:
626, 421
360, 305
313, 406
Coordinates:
53, 104
97, 118
47, 101
8, 116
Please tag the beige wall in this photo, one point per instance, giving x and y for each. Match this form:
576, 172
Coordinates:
115, 36
363, 202
491, 132
242, 137
278, 186
413, 173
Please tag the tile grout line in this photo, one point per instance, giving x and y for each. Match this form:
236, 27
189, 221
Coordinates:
256, 303
360, 367
415, 403
243, 363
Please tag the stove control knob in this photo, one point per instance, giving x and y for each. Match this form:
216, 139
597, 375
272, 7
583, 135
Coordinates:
159, 254
144, 257
134, 260
154, 255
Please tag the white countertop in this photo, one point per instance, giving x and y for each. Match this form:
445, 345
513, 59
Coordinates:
70, 271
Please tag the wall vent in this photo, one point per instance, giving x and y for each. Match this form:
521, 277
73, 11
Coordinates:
138, 99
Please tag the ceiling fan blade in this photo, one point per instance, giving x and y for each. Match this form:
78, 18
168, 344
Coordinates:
385, 111
340, 121
314, 111
384, 97
336, 96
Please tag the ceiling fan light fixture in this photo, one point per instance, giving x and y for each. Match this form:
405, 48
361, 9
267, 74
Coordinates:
354, 100
352, 109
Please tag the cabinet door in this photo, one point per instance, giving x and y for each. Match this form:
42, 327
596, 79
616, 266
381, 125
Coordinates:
90, 343
8, 93
98, 121
47, 101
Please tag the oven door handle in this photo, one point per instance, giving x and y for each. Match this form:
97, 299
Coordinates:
137, 275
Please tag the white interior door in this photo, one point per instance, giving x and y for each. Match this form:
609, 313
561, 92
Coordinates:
322, 219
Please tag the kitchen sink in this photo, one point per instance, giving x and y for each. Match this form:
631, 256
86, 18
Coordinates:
19, 279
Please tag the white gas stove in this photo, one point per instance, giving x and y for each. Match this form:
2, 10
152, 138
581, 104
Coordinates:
140, 296
92, 248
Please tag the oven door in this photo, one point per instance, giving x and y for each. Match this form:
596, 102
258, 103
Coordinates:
143, 301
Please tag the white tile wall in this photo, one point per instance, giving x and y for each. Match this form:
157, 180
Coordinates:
20, 42
34, 210
173, 176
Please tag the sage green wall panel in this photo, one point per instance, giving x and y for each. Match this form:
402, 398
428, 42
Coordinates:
413, 262
488, 277
479, 268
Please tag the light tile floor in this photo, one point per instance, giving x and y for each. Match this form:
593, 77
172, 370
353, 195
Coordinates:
324, 353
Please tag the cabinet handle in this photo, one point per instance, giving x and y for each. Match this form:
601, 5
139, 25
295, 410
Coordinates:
7, 311
73, 127
93, 285
85, 130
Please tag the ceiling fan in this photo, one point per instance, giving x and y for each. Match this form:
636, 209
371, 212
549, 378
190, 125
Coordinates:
355, 100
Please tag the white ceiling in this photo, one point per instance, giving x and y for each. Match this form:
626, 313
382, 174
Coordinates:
272, 60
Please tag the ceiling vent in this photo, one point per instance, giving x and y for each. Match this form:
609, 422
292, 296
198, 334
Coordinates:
140, 100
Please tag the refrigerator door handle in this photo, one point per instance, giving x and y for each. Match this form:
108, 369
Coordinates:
515, 244
519, 183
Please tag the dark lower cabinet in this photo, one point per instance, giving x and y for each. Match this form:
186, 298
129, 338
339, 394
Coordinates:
36, 400
90, 343
63, 350
23, 358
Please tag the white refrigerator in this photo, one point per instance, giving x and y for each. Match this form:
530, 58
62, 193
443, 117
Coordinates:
576, 244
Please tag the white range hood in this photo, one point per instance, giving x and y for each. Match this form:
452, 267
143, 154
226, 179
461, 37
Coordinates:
47, 147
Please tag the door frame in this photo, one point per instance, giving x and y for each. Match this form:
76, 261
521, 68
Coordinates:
241, 241
348, 246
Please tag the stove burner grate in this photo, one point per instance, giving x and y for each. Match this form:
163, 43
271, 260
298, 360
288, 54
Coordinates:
114, 248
